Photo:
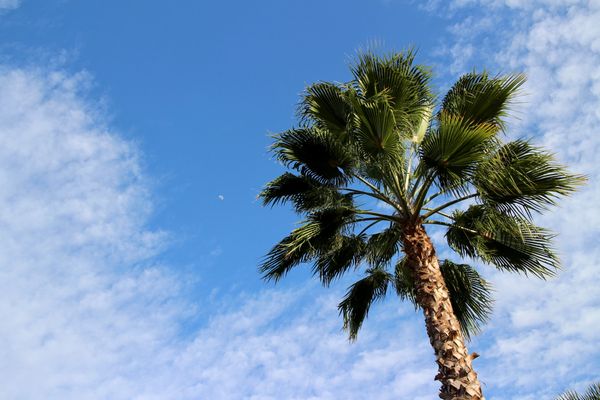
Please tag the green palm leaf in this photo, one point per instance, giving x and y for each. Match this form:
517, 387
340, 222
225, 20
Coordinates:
510, 243
318, 234
326, 104
479, 98
376, 132
347, 252
314, 153
519, 176
384, 245
355, 305
305, 193
406, 85
452, 151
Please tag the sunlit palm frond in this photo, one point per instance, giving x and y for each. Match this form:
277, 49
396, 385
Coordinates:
452, 150
510, 243
405, 84
326, 104
479, 98
375, 132
519, 177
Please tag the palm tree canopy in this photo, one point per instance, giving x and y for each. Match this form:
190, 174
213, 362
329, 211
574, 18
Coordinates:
375, 155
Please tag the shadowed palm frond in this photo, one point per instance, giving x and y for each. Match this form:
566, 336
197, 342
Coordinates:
479, 98
519, 177
383, 246
355, 306
510, 243
347, 252
470, 296
318, 234
315, 154
305, 193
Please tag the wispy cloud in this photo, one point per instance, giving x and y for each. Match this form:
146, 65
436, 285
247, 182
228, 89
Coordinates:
9, 4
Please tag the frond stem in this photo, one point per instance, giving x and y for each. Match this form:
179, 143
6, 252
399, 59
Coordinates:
448, 204
432, 222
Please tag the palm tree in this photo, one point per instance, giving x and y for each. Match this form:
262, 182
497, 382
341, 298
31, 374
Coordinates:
592, 393
375, 159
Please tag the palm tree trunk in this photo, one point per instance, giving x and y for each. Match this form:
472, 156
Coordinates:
459, 380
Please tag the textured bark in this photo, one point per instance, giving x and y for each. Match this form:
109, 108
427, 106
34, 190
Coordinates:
455, 370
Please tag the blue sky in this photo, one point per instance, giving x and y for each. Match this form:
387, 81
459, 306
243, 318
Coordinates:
134, 143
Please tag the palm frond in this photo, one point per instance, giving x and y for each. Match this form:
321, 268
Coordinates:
384, 245
375, 131
453, 150
347, 252
314, 153
405, 84
355, 305
510, 243
479, 98
305, 193
326, 104
520, 177
470, 296
316, 235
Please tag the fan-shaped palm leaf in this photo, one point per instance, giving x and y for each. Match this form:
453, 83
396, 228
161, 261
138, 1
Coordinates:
519, 176
314, 153
479, 98
510, 243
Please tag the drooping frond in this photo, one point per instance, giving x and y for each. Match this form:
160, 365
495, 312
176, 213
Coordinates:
519, 176
326, 104
316, 235
305, 193
479, 98
452, 150
314, 153
469, 293
384, 245
510, 243
470, 296
347, 252
355, 306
